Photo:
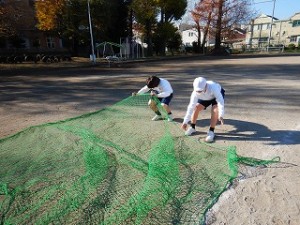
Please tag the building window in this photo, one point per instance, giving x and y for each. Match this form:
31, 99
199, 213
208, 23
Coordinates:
293, 39
265, 26
191, 34
263, 40
50, 42
296, 23
36, 43
258, 27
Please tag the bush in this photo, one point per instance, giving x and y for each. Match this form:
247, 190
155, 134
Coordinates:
291, 46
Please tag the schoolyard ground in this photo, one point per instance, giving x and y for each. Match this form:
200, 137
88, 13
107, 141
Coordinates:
261, 117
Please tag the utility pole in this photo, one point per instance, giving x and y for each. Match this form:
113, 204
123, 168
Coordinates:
270, 34
91, 33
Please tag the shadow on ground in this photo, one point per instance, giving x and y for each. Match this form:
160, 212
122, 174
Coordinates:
237, 130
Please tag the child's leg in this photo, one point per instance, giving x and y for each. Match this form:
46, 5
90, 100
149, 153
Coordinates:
213, 122
214, 116
165, 102
153, 106
167, 108
197, 110
199, 107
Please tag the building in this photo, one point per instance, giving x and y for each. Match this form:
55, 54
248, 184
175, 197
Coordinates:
20, 15
280, 33
236, 38
189, 36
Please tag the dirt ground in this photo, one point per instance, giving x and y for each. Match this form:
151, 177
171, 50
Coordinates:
261, 117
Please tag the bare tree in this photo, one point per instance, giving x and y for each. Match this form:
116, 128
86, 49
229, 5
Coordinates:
219, 17
230, 14
203, 15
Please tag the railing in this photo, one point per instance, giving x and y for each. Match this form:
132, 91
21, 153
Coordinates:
266, 49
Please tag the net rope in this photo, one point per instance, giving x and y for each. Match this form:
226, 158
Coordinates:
112, 166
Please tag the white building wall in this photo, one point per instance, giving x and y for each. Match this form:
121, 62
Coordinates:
284, 32
190, 36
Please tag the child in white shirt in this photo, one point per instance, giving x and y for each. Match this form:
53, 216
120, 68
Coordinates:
162, 89
205, 93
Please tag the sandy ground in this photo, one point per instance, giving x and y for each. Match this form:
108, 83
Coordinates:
262, 118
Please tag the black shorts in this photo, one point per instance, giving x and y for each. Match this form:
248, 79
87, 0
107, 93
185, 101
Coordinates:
212, 102
166, 100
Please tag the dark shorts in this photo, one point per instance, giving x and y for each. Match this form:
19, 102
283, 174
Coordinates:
212, 102
166, 100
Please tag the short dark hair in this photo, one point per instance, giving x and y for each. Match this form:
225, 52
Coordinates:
152, 81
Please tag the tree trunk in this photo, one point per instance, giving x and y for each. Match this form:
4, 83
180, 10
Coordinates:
149, 39
219, 27
199, 39
162, 47
206, 29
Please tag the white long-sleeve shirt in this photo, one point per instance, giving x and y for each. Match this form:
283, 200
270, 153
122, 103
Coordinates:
164, 89
213, 90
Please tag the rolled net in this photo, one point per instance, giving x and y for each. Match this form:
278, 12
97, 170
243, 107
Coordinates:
113, 166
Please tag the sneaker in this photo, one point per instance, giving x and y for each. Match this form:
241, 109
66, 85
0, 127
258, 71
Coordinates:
156, 117
210, 137
190, 131
170, 118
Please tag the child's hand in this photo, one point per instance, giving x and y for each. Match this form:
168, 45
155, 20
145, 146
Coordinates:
153, 93
183, 126
221, 120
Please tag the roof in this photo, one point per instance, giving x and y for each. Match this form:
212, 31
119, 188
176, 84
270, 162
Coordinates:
185, 26
264, 15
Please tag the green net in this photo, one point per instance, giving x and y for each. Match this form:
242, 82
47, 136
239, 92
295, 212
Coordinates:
113, 166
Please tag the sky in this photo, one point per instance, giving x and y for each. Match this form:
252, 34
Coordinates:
284, 9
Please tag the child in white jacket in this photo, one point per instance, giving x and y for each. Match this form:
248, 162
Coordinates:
205, 93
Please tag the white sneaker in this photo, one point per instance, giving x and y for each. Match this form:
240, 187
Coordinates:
190, 131
156, 117
170, 118
210, 137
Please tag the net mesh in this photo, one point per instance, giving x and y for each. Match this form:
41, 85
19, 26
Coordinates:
113, 166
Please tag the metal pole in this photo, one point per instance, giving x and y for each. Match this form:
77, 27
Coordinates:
270, 34
91, 33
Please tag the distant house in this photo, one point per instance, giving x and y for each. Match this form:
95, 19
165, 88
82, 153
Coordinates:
281, 32
293, 31
189, 34
28, 38
236, 38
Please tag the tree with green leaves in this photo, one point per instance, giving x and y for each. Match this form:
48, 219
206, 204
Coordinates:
145, 13
69, 19
170, 10
165, 35
156, 18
